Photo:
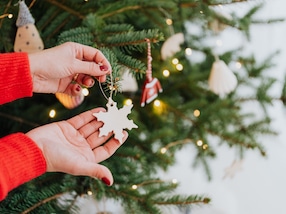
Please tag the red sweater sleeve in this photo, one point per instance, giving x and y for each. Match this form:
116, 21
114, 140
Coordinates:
15, 77
20, 158
20, 161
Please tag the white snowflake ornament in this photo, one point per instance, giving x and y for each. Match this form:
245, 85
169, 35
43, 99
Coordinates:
115, 120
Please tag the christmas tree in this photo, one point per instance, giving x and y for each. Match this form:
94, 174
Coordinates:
199, 100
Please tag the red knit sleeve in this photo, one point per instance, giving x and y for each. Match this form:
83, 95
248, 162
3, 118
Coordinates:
20, 160
15, 77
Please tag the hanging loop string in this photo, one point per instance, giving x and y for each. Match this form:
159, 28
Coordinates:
149, 61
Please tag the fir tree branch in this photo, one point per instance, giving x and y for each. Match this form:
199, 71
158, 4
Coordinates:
121, 10
46, 200
18, 119
66, 8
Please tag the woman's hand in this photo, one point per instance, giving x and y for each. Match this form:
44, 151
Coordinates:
73, 146
67, 67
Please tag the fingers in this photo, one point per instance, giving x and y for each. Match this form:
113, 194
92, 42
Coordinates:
91, 61
103, 152
84, 118
94, 170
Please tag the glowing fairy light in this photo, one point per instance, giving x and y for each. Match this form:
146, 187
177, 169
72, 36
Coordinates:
85, 92
166, 73
179, 67
175, 61
89, 192
199, 143
157, 103
169, 21
52, 113
188, 51
197, 113
174, 181
128, 102
163, 150
134, 186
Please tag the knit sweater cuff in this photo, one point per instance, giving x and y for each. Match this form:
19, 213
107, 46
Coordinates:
21, 160
15, 77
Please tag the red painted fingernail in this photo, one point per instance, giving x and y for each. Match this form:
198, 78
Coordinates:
106, 181
78, 88
103, 67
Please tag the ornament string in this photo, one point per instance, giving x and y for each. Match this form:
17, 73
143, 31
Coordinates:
149, 61
111, 88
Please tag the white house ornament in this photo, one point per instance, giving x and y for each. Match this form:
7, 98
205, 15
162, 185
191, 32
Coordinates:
27, 36
222, 80
115, 120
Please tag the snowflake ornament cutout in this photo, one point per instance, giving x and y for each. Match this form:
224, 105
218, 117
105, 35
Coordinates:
115, 120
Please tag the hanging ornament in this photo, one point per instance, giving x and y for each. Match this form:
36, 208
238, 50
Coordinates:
128, 83
69, 101
151, 86
172, 45
114, 120
27, 36
233, 168
222, 80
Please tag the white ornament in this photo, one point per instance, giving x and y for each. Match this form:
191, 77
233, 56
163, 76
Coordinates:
128, 82
172, 45
115, 120
233, 169
221, 80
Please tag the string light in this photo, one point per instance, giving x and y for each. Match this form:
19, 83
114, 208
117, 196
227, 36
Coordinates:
175, 61
179, 67
163, 150
134, 186
197, 113
166, 73
89, 192
205, 146
199, 143
9, 15
174, 181
85, 92
169, 21
52, 113
128, 102
188, 51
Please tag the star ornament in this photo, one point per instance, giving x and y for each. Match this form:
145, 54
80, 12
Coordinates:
115, 120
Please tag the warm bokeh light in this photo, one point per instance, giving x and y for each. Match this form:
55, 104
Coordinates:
85, 92
175, 61
166, 73
52, 113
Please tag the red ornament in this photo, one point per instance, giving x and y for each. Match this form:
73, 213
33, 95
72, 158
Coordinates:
151, 86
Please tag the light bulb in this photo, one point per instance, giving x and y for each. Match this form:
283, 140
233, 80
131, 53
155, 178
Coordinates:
169, 21
128, 102
179, 67
175, 61
199, 143
52, 113
85, 92
134, 186
166, 73
197, 113
188, 51
163, 150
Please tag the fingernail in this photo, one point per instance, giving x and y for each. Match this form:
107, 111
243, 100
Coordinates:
91, 83
103, 67
78, 88
106, 181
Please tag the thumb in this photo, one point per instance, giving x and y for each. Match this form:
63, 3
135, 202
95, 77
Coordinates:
96, 171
